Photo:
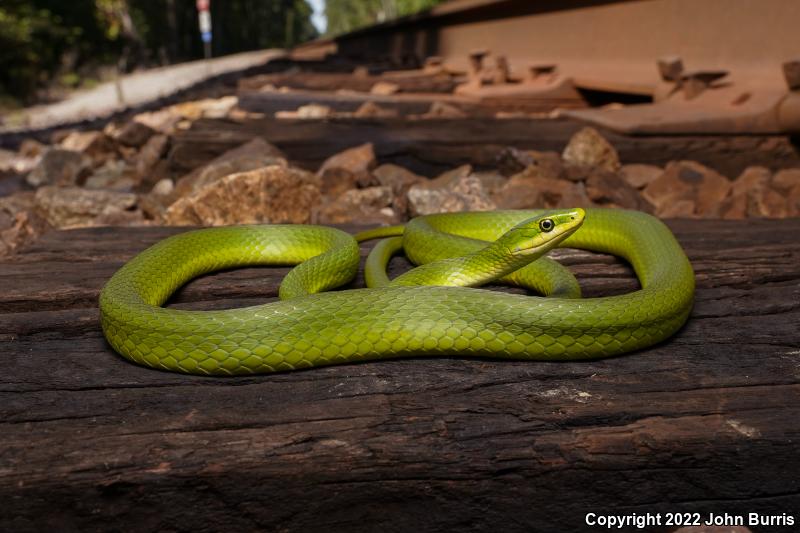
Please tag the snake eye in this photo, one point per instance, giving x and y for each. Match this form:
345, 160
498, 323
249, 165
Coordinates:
547, 224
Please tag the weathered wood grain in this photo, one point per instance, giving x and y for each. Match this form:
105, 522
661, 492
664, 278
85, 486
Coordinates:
434, 145
704, 422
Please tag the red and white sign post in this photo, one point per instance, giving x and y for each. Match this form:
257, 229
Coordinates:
204, 19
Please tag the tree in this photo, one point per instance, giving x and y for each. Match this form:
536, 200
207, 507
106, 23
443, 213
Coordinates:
42, 40
347, 15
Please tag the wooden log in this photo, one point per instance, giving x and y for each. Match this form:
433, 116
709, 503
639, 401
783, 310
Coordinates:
433, 145
705, 422
407, 81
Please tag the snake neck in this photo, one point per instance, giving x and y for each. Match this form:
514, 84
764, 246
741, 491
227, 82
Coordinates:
477, 268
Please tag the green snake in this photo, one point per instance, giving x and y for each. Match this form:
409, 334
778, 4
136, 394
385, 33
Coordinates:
412, 315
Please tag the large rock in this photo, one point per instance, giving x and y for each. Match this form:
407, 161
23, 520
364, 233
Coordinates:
465, 193
164, 120
609, 189
793, 201
688, 181
148, 159
767, 203
273, 194
530, 190
399, 180
750, 180
13, 165
588, 148
752, 195
20, 222
640, 176
31, 148
59, 167
114, 174
512, 161
785, 180
75, 207
363, 206
348, 169
132, 133
254, 154
98, 146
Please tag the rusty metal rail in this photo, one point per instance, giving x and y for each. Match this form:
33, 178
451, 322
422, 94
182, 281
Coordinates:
711, 67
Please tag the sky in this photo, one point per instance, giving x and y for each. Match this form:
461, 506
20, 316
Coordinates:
318, 18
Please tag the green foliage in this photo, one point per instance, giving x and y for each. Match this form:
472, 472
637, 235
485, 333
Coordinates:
347, 15
47, 41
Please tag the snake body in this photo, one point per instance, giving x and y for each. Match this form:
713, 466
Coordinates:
310, 327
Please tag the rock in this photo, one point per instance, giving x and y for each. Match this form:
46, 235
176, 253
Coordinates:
132, 133
59, 135
396, 177
512, 161
750, 180
336, 181
373, 110
74, 207
13, 163
793, 201
400, 180
385, 88
525, 191
8, 160
256, 153
115, 174
492, 181
314, 111
609, 189
98, 146
59, 167
449, 177
10, 182
272, 194
205, 108
785, 180
444, 110
31, 148
640, 176
767, 203
363, 206
163, 187
733, 207
688, 180
680, 209
352, 167
20, 222
464, 194
588, 148
163, 121
151, 153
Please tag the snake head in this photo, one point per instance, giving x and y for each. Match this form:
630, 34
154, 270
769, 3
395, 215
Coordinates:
535, 236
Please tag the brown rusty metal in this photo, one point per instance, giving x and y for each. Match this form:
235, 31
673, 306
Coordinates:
694, 83
670, 68
791, 73
789, 113
752, 47
502, 72
476, 65
541, 71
